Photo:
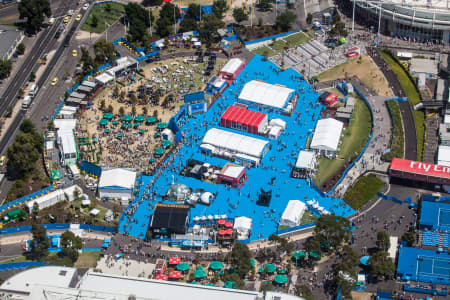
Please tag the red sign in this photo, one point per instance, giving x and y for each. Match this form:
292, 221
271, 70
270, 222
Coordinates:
420, 168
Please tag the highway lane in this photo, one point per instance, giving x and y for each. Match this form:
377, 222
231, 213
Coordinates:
10, 14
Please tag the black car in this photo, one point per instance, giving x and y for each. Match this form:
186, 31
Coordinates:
208, 52
199, 59
199, 52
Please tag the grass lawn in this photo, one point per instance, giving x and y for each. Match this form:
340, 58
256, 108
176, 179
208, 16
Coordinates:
297, 39
413, 97
116, 12
15, 260
278, 46
398, 140
353, 141
363, 190
308, 218
87, 259
265, 51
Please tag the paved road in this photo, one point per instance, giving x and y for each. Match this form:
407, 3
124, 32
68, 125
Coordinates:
409, 125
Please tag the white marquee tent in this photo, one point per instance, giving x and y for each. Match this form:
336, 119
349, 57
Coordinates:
266, 94
326, 136
232, 65
243, 225
292, 215
306, 160
220, 140
117, 184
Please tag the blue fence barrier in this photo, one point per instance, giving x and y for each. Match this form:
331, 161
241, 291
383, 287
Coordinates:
22, 200
390, 198
425, 289
20, 265
429, 198
90, 168
98, 228
365, 146
91, 249
290, 229
268, 38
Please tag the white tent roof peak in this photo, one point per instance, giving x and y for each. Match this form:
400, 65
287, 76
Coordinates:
266, 94
327, 134
117, 178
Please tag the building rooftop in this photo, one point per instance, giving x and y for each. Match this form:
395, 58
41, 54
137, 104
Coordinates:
8, 34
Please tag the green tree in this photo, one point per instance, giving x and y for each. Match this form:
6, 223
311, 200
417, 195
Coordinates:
192, 12
349, 256
383, 242
285, 20
5, 68
333, 229
121, 111
147, 3
104, 52
145, 110
34, 11
39, 243
71, 244
94, 21
20, 49
304, 291
32, 76
240, 15
313, 245
88, 62
35, 210
164, 27
209, 26
309, 18
344, 277
219, 8
410, 236
381, 266
188, 24
240, 259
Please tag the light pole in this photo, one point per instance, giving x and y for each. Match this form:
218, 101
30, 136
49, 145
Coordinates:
150, 17
353, 16
174, 20
379, 20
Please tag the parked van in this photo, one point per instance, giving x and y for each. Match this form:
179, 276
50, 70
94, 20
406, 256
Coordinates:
33, 90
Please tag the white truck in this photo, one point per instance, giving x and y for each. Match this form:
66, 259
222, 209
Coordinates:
26, 101
33, 90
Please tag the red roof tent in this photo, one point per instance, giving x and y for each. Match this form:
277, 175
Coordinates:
249, 118
420, 168
174, 260
161, 277
331, 100
175, 274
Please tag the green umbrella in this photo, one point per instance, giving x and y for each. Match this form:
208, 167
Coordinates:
270, 268
166, 143
314, 254
108, 116
200, 273
150, 120
103, 122
127, 118
56, 175
161, 125
261, 270
139, 118
252, 262
107, 130
115, 122
230, 285
299, 255
120, 135
280, 279
157, 134
151, 160
282, 271
209, 284
124, 125
141, 131
221, 273
184, 266
216, 265
159, 151
136, 124
194, 282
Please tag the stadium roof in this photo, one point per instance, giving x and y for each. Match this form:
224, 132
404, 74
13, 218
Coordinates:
266, 94
234, 142
420, 168
327, 134
232, 65
431, 215
243, 116
117, 178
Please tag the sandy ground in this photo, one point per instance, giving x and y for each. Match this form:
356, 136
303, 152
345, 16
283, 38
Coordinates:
135, 149
14, 239
367, 71
361, 295
125, 267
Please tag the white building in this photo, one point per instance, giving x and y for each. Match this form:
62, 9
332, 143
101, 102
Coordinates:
242, 225
63, 283
292, 215
68, 147
443, 156
117, 184
326, 137
306, 160
261, 94
242, 148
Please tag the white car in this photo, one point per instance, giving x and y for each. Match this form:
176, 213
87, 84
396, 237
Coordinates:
70, 12
86, 6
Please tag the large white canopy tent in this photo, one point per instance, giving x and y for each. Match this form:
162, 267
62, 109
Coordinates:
216, 140
292, 215
266, 94
117, 184
306, 160
243, 225
326, 136
232, 65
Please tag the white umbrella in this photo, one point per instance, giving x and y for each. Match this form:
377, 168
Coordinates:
196, 219
204, 218
224, 216
210, 217
216, 217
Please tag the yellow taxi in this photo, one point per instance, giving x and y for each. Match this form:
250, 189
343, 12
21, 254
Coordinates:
74, 53
66, 19
78, 18
2, 161
54, 81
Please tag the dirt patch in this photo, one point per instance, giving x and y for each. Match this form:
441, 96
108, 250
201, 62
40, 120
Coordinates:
365, 69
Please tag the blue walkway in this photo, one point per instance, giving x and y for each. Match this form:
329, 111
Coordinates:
277, 163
